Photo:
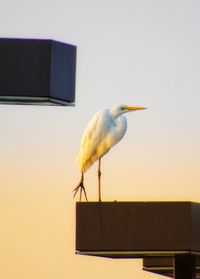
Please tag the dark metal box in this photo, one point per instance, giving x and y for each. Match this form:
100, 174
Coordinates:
37, 71
165, 265
137, 229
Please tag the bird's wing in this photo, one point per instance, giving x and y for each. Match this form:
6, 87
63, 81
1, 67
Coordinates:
94, 141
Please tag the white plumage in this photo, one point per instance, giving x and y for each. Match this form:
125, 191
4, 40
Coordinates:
102, 132
106, 128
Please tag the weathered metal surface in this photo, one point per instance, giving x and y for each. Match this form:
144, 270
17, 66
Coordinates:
139, 228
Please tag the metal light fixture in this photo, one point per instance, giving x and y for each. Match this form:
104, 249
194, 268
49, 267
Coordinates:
37, 72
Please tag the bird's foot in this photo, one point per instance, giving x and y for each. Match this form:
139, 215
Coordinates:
82, 189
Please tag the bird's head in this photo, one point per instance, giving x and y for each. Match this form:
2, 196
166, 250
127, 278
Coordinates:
117, 111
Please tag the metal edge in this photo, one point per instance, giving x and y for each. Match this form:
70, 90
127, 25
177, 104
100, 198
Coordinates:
142, 254
24, 100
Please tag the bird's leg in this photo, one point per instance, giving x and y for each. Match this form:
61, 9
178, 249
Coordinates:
81, 187
99, 179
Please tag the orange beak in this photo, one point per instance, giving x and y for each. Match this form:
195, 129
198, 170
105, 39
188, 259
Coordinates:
135, 108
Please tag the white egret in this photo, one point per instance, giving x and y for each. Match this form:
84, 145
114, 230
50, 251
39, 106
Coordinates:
106, 128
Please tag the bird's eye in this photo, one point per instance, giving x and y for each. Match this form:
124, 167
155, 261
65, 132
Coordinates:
123, 108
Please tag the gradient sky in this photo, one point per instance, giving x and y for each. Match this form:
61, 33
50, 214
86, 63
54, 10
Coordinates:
131, 52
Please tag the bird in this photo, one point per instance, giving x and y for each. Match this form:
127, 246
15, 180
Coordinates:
106, 128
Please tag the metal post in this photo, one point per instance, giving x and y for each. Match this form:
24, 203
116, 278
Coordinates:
184, 267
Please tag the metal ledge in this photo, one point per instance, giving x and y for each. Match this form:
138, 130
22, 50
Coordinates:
138, 226
137, 254
23, 100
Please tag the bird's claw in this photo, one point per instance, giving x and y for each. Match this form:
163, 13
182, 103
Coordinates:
82, 189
